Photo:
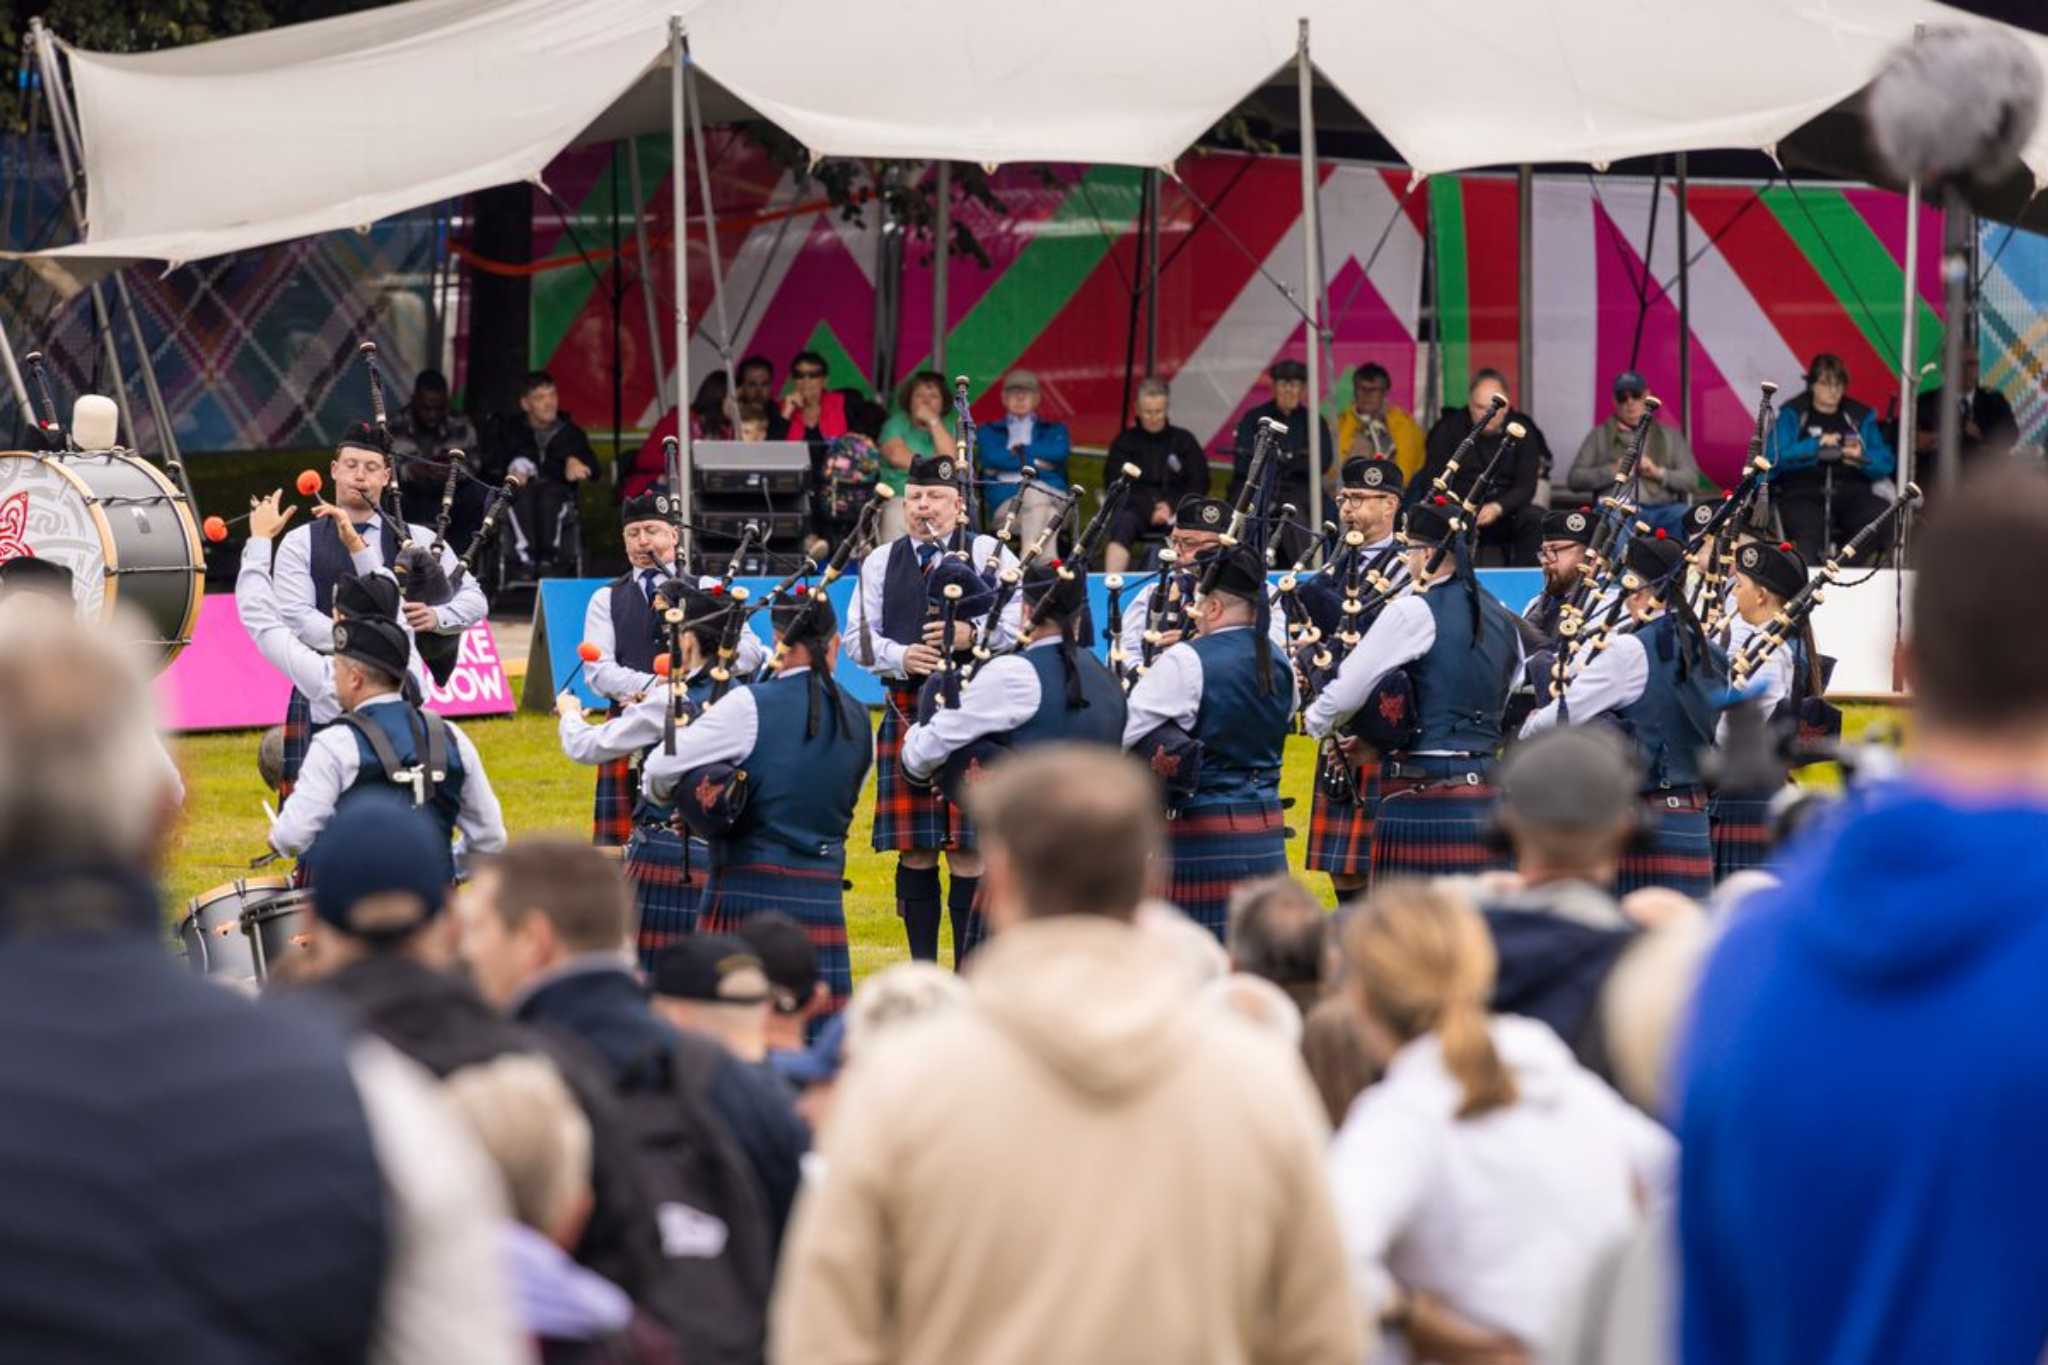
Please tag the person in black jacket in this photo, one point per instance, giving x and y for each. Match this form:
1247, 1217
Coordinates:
544, 444
1171, 466
1508, 517
1290, 388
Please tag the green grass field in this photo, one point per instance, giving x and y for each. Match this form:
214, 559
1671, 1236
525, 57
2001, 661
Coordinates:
543, 792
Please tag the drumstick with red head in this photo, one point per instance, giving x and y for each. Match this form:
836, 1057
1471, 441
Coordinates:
215, 529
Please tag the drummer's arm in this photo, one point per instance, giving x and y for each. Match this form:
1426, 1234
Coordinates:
725, 733
256, 605
479, 818
624, 735
292, 577
329, 770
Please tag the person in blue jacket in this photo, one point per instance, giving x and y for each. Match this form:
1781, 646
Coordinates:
1021, 440
1832, 469
1864, 1083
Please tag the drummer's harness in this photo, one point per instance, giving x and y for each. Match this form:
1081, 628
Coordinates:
430, 737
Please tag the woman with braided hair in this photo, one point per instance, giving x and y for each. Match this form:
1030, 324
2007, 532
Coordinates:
1480, 1179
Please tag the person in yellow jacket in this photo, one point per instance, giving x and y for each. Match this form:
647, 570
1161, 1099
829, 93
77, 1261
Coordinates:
1373, 428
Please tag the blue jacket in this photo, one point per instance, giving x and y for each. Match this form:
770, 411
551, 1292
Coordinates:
1796, 450
992, 456
1863, 1093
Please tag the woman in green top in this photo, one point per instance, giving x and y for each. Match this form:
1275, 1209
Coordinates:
916, 430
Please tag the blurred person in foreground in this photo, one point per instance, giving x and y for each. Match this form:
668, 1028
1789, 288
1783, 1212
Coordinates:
1079, 1055
1278, 931
356, 1199
1866, 1077
1480, 1178
796, 988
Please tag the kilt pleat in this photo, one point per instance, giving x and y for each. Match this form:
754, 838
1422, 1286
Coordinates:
1216, 847
667, 888
1434, 830
1340, 832
812, 896
1741, 830
611, 808
1679, 855
298, 737
906, 816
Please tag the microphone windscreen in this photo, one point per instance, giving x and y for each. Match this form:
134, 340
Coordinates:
95, 422
1956, 103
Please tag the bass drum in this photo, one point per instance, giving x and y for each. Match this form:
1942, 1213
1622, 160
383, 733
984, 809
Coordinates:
212, 934
123, 529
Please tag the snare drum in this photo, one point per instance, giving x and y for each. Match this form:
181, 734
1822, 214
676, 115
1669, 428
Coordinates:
122, 528
278, 928
215, 944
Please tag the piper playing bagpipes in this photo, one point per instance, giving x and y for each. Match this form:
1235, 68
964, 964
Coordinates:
899, 635
1766, 577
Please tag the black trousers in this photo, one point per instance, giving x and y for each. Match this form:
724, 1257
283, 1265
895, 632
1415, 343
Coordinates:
538, 509
1518, 535
1817, 519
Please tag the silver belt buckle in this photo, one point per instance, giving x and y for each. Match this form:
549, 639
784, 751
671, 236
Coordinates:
1671, 802
1471, 779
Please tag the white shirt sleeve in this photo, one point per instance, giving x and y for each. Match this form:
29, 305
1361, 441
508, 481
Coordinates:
1616, 676
329, 770
1134, 624
624, 735
292, 572
310, 671
999, 698
748, 658
608, 677
869, 647
725, 733
1381, 1163
1171, 690
478, 818
1402, 632
1774, 677
1011, 625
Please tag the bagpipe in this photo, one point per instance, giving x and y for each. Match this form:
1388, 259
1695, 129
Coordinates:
1709, 597
1603, 552
1792, 616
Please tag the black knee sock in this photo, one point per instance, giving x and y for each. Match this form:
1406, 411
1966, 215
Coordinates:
917, 900
960, 900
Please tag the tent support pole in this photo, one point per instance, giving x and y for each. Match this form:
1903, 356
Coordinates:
679, 190
1958, 228
1156, 186
694, 114
1311, 279
1909, 376
1684, 305
646, 273
942, 236
1525, 292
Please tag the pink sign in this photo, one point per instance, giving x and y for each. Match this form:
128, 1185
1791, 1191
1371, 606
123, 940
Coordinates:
220, 682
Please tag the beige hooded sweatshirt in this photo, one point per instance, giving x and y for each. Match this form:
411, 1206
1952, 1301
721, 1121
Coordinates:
1084, 1166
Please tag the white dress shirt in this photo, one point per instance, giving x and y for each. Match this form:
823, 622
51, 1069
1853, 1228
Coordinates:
725, 733
1171, 690
997, 699
1774, 676
293, 573
642, 723
1403, 632
332, 763
1501, 1215
886, 658
1134, 622
311, 671
1614, 678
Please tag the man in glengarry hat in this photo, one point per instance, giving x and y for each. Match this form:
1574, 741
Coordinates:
1198, 527
1567, 531
1767, 575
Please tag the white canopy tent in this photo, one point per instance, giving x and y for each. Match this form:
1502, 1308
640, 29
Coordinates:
200, 151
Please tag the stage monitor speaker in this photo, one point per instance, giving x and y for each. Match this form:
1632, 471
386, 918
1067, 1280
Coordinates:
776, 468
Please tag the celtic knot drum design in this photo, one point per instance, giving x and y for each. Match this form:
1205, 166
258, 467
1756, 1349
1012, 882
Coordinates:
123, 530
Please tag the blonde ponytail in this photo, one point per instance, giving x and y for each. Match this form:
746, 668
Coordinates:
1422, 962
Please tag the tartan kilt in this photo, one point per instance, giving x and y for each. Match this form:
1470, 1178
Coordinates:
611, 811
812, 896
906, 817
298, 738
667, 886
1340, 833
1680, 854
1214, 848
1434, 829
1741, 831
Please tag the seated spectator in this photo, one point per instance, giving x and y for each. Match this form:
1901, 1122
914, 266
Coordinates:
1831, 475
797, 990
979, 1201
1278, 930
917, 430
422, 434
713, 985
756, 379
1021, 440
361, 1231
754, 422
545, 445
1989, 429
1374, 429
1666, 476
1496, 1166
1510, 523
1171, 466
810, 411
1333, 1049
527, 1121
1287, 406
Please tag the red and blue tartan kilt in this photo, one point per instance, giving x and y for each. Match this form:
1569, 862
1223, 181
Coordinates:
1741, 830
1680, 854
298, 738
1340, 833
812, 896
1216, 847
667, 888
1433, 829
611, 810
906, 816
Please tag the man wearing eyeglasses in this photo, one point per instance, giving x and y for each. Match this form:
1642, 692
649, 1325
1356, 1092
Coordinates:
1198, 525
